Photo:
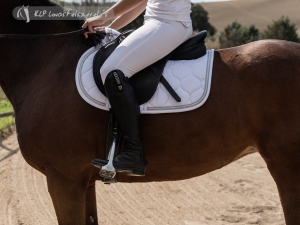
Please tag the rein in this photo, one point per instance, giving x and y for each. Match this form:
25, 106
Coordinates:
41, 36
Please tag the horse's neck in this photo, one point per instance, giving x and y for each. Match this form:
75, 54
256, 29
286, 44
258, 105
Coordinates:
29, 64
26, 65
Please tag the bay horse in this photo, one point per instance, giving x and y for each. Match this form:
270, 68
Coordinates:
254, 105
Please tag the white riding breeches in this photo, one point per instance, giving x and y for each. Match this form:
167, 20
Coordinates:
146, 45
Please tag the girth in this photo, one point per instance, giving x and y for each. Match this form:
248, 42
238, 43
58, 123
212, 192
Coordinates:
145, 82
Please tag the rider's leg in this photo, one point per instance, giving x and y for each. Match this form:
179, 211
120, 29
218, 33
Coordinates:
151, 42
127, 113
154, 40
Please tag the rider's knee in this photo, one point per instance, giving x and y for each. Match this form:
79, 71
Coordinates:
105, 70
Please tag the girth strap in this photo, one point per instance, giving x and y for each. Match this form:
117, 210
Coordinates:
169, 88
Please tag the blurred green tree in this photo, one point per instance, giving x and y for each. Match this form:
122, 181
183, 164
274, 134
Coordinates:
235, 34
200, 20
282, 29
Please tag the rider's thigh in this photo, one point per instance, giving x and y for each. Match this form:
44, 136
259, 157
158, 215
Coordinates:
151, 42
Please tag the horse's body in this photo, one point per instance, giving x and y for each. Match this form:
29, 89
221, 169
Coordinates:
254, 105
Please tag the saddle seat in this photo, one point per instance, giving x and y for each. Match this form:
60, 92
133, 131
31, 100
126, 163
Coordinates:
145, 82
192, 48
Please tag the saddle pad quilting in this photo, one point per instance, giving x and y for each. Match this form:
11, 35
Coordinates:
191, 79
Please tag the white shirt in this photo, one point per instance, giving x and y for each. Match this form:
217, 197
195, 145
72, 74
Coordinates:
178, 10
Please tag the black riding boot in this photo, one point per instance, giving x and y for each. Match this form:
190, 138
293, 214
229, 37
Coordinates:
127, 113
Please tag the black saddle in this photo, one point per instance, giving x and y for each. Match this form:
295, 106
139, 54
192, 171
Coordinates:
146, 81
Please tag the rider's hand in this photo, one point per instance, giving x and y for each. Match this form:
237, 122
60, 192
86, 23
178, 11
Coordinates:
92, 22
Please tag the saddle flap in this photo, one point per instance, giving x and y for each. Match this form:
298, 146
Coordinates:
145, 82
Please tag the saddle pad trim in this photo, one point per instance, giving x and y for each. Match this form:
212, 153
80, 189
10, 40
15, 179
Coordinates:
145, 109
79, 83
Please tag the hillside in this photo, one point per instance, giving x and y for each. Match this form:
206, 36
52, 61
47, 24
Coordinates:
261, 13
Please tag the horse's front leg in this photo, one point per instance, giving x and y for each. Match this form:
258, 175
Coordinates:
73, 198
287, 178
91, 204
284, 165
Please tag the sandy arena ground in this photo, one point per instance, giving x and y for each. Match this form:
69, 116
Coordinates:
241, 193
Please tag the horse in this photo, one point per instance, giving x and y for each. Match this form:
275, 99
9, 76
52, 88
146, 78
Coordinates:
254, 106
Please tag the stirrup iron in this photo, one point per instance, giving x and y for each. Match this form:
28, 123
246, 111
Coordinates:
108, 171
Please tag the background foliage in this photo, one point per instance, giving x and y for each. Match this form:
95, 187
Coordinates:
282, 29
200, 20
233, 35
5, 106
236, 34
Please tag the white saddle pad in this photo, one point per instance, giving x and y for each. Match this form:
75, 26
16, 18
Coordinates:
191, 80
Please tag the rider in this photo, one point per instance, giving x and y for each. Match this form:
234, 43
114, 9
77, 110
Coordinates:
167, 24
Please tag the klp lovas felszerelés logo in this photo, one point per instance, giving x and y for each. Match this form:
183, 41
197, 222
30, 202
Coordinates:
55, 13
23, 12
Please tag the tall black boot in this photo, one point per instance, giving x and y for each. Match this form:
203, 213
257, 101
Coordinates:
127, 113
